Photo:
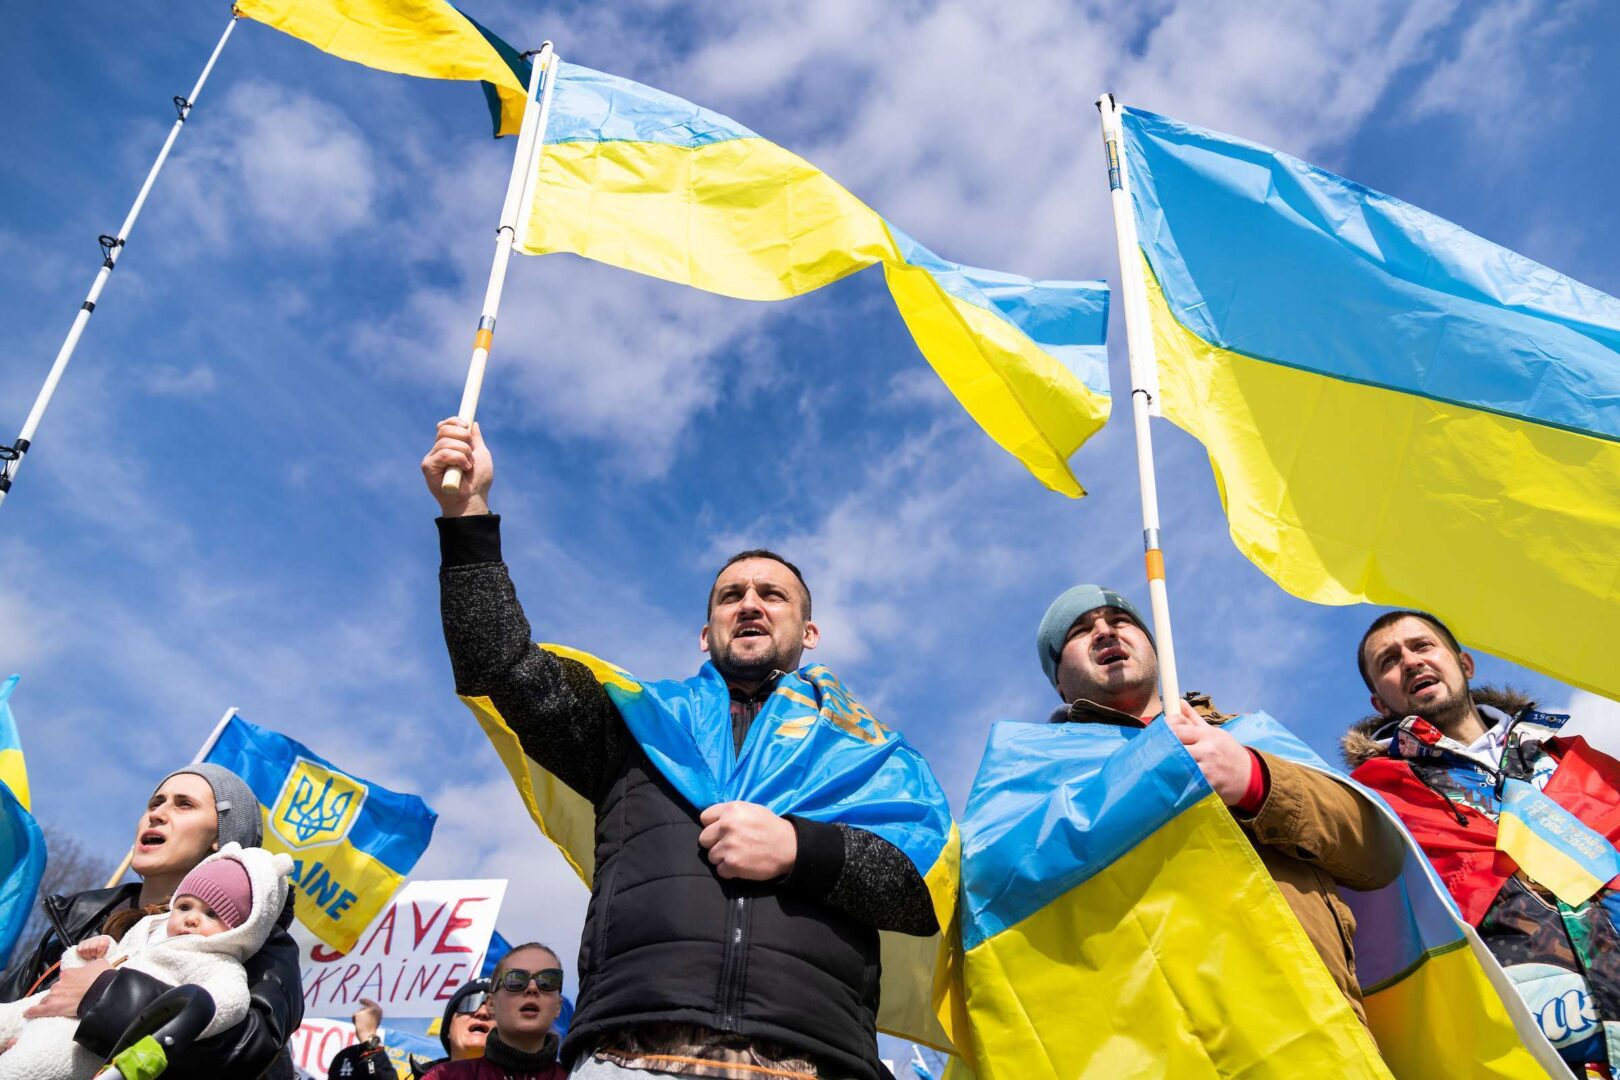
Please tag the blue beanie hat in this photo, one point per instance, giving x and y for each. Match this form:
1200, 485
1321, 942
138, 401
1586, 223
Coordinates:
1055, 624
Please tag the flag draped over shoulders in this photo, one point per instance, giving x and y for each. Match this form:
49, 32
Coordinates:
640, 179
815, 752
426, 38
352, 841
1397, 411
1116, 921
22, 844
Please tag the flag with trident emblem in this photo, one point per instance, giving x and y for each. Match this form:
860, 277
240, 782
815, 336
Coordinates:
352, 842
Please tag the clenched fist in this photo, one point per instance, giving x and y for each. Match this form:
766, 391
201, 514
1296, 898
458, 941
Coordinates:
745, 840
1224, 761
460, 447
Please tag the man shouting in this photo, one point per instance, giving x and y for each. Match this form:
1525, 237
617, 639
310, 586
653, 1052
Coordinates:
748, 847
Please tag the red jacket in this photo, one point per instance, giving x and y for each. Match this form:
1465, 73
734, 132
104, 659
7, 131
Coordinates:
501, 1062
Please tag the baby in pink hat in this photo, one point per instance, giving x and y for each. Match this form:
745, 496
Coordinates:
222, 913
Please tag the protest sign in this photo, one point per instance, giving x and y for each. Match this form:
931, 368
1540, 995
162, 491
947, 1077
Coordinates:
316, 1043
429, 940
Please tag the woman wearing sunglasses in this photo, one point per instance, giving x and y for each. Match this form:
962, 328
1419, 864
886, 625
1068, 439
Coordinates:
525, 999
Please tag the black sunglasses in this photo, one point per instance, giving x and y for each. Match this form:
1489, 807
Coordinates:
546, 980
471, 1003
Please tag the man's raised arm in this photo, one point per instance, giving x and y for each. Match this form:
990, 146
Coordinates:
560, 713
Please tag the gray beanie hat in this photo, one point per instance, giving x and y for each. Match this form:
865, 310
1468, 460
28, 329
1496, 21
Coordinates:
1055, 624
234, 803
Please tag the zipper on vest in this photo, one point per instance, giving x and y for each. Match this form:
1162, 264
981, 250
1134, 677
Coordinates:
732, 965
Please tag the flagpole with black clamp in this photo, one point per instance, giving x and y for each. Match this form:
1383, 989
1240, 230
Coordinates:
519, 188
1144, 390
11, 457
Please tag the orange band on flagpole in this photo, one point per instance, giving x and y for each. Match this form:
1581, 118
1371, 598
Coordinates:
1155, 565
484, 339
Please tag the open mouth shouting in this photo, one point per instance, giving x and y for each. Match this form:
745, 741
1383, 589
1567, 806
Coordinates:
1109, 656
149, 840
529, 1010
751, 630
1423, 681
480, 1027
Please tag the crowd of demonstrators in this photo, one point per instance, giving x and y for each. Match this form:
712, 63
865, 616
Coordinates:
723, 941
194, 812
1447, 756
1311, 832
223, 912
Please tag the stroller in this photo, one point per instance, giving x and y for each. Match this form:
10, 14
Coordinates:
170, 1023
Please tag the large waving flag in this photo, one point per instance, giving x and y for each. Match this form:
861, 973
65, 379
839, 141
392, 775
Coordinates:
22, 845
427, 38
800, 758
1397, 410
352, 841
631, 176
1116, 922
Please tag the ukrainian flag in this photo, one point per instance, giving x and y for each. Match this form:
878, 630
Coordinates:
1397, 411
427, 38
813, 751
22, 845
1117, 922
352, 842
634, 177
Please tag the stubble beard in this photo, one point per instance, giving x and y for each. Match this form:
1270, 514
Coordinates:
747, 671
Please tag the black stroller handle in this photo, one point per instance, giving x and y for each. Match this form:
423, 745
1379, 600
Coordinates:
173, 1020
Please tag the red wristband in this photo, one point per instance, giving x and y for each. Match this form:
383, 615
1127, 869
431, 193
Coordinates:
1254, 796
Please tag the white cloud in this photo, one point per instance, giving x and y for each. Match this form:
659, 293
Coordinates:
298, 167
1597, 718
1502, 75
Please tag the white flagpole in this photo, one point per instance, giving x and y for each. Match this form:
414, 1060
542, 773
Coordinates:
11, 457
525, 162
1144, 389
202, 753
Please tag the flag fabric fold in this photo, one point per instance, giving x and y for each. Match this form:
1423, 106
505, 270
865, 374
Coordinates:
426, 38
1397, 411
815, 752
1103, 878
22, 844
640, 179
352, 841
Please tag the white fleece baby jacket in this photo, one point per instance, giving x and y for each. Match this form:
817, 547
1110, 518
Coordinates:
45, 1049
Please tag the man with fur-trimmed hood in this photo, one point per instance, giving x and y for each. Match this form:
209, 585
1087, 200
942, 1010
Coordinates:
1456, 763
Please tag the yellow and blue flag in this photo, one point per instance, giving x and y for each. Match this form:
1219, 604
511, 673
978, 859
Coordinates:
352, 842
22, 845
426, 38
813, 751
642, 180
1116, 921
1397, 411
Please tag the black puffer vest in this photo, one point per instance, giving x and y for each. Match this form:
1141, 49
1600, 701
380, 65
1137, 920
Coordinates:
666, 940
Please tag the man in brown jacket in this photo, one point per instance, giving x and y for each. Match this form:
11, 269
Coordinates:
1312, 832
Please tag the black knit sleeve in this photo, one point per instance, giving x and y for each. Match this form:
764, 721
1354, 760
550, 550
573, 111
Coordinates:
878, 885
560, 713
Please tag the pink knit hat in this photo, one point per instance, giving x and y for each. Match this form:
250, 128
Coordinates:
223, 885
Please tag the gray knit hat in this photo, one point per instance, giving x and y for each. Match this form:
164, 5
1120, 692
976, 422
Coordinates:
234, 802
1066, 609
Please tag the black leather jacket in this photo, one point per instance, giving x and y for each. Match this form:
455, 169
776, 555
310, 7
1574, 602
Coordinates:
247, 1050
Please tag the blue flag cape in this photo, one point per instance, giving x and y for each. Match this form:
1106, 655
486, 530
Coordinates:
813, 751
1103, 877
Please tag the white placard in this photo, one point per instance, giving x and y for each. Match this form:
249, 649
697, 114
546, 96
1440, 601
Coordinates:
413, 956
317, 1042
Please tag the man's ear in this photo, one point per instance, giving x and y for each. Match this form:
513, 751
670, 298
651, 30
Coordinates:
703, 638
1379, 707
812, 634
1466, 662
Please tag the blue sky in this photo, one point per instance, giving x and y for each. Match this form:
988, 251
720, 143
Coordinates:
223, 507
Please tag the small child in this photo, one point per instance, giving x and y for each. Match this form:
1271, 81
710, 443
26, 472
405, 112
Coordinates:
222, 913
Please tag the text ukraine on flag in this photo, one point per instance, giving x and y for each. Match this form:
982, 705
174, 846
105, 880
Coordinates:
1397, 410
426, 38
352, 841
637, 178
22, 844
1103, 878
